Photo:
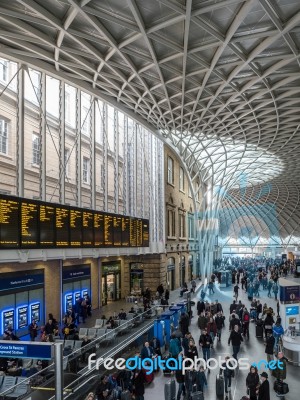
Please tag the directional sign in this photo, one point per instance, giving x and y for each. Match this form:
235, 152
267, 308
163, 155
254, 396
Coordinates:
18, 349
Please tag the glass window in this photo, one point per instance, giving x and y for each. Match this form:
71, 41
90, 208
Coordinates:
3, 70
181, 225
3, 137
36, 150
181, 179
67, 107
170, 170
191, 226
86, 170
171, 223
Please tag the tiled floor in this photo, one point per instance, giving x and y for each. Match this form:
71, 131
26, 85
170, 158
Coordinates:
253, 349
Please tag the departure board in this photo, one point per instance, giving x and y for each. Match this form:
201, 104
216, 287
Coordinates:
47, 225
125, 231
145, 233
9, 222
98, 229
117, 231
75, 227
29, 224
139, 233
108, 230
26, 224
132, 232
87, 229
62, 225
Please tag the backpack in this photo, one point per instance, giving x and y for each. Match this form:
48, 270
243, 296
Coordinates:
246, 318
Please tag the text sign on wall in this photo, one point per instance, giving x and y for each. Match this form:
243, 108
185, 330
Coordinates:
290, 293
12, 349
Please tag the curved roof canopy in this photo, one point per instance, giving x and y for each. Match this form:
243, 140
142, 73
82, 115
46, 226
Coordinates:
220, 79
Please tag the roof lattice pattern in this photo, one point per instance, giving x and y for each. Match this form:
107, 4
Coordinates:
218, 78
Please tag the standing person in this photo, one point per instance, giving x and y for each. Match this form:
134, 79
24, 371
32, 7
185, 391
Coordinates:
275, 290
211, 287
205, 342
280, 371
180, 380
174, 347
278, 331
252, 382
269, 350
33, 330
212, 330
167, 295
236, 291
160, 290
228, 373
138, 383
236, 339
219, 320
194, 284
264, 388
184, 323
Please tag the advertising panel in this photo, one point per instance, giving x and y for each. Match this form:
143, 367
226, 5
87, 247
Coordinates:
8, 320
35, 312
68, 301
22, 317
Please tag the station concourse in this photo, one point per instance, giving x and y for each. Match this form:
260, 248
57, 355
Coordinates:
146, 147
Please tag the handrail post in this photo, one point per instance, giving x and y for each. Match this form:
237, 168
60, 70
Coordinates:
59, 374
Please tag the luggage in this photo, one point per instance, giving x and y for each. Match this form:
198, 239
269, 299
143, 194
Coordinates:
167, 371
260, 322
197, 396
125, 395
259, 331
148, 377
281, 387
170, 390
220, 386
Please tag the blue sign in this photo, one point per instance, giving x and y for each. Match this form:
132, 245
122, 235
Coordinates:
68, 301
290, 293
23, 280
35, 312
84, 293
8, 319
12, 349
292, 310
22, 317
76, 296
78, 271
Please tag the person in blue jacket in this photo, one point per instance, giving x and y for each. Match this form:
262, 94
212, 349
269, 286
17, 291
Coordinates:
278, 331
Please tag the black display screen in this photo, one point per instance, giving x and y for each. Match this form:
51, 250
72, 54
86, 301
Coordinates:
35, 224
29, 224
47, 225
9, 222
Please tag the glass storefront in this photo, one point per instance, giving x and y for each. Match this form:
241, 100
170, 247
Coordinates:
136, 278
111, 282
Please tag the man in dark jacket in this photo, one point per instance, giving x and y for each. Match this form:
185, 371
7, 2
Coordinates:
228, 373
233, 322
180, 380
205, 343
200, 307
232, 307
269, 350
138, 383
202, 321
155, 344
264, 388
236, 339
147, 351
219, 320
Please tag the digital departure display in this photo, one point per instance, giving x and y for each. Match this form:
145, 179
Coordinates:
9, 222
35, 224
47, 225
29, 224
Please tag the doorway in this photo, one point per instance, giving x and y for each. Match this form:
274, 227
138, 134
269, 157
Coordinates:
111, 287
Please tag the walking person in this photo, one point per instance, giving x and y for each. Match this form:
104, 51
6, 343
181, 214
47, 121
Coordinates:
264, 388
269, 350
181, 386
275, 290
236, 339
205, 343
228, 373
236, 291
252, 382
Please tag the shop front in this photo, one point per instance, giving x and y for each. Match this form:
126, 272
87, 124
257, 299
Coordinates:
111, 282
171, 276
136, 278
21, 300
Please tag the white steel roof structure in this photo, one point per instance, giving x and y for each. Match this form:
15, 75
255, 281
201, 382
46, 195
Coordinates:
219, 80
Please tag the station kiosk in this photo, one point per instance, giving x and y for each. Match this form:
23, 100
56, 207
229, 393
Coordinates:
168, 318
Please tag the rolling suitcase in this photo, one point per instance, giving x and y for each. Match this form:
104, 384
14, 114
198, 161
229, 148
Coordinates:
281, 387
125, 395
259, 331
220, 386
170, 390
197, 396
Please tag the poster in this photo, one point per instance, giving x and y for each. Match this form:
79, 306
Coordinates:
76, 296
8, 319
69, 301
22, 317
35, 312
